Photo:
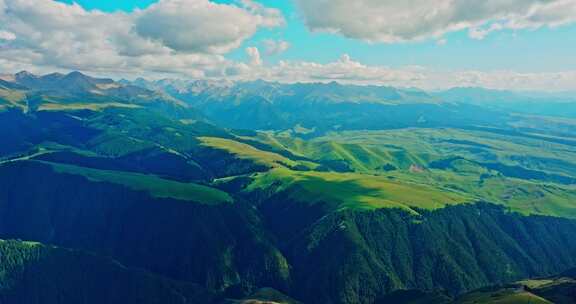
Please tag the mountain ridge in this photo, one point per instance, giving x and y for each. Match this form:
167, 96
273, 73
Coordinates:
325, 193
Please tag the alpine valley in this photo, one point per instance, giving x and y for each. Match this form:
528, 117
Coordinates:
212, 192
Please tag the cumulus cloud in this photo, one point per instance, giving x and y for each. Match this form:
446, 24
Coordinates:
188, 37
347, 70
398, 21
275, 47
269, 17
344, 70
203, 26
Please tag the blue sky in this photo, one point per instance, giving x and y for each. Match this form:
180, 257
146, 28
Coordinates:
541, 50
432, 44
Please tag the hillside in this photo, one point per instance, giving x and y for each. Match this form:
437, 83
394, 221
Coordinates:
304, 193
32, 273
558, 289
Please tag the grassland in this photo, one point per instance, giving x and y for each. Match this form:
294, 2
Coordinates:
547, 282
526, 197
84, 106
353, 190
503, 297
360, 157
370, 185
358, 191
471, 164
548, 290
368, 150
248, 152
12, 98
156, 186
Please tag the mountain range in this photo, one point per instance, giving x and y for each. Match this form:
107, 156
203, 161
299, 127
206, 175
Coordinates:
177, 191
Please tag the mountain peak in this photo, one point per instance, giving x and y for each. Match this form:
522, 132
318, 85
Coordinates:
24, 74
54, 75
76, 75
78, 78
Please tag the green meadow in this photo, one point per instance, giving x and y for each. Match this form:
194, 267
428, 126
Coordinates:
353, 190
156, 186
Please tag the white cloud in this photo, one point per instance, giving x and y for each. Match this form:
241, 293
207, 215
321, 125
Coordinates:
47, 36
254, 55
480, 33
409, 20
343, 70
347, 70
187, 37
203, 26
269, 17
275, 47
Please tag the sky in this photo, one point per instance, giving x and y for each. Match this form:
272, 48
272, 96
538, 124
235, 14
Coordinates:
430, 44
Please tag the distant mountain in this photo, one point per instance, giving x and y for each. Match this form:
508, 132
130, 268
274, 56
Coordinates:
553, 104
483, 96
275, 92
326, 107
319, 106
75, 91
7, 85
72, 83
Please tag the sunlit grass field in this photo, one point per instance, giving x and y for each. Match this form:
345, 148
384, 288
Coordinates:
156, 186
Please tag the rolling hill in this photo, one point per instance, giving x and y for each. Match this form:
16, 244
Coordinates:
302, 193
